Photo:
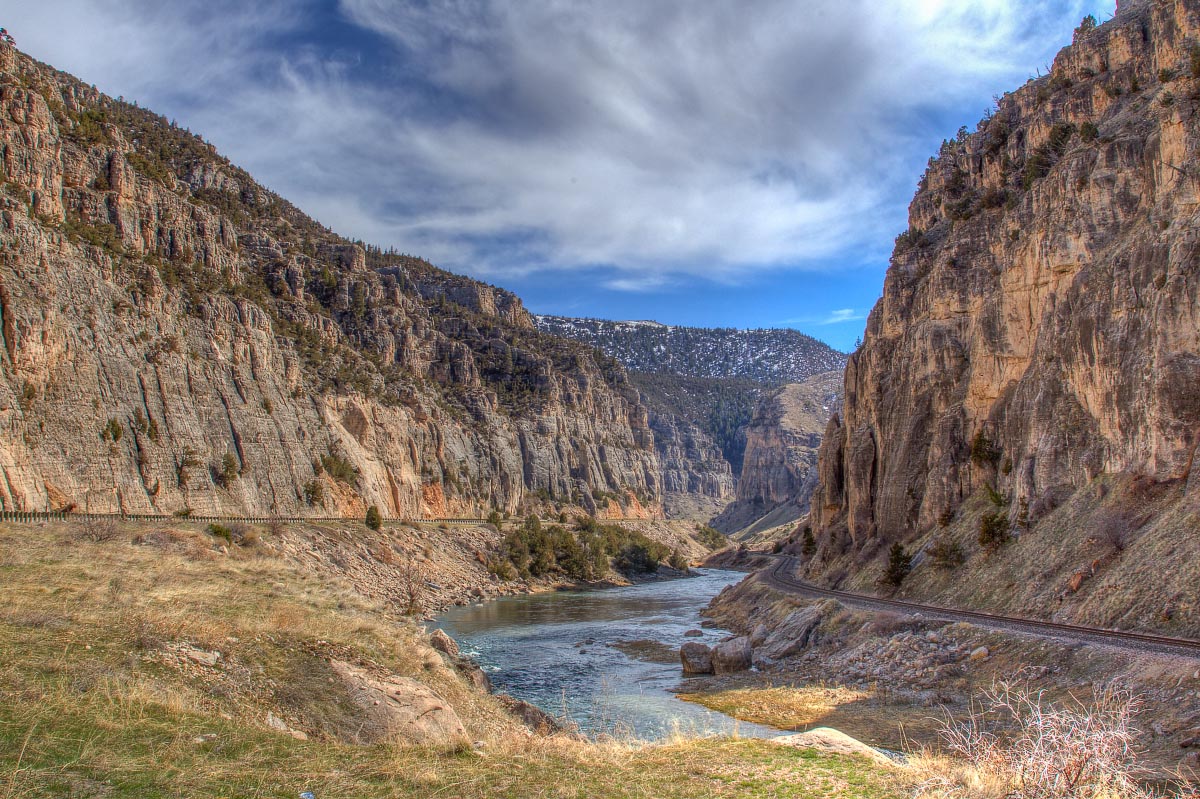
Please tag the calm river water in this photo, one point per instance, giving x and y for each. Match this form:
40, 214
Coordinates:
607, 658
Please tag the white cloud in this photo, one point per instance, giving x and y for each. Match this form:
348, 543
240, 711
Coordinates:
842, 315
835, 317
664, 138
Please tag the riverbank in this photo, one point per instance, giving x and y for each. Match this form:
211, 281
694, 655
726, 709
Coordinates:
890, 679
161, 662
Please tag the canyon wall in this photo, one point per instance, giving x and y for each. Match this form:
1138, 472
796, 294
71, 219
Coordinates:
177, 337
1040, 322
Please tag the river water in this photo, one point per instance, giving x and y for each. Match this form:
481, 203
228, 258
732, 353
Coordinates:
606, 658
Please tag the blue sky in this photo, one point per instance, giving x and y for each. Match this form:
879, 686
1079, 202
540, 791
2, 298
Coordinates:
740, 163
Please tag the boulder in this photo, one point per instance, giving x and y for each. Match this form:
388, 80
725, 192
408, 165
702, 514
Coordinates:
476, 676
444, 643
696, 658
532, 716
980, 653
694, 634
732, 656
793, 634
827, 739
399, 708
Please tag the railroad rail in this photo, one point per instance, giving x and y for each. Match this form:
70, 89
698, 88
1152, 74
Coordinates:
782, 577
42, 516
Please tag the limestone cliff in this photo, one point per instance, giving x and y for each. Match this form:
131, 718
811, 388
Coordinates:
779, 468
176, 336
1039, 330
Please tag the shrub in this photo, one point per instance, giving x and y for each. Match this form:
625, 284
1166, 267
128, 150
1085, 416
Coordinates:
993, 530
583, 554
984, 451
494, 519
221, 531
112, 431
374, 518
909, 239
994, 198
227, 472
636, 558
678, 562
183, 467
99, 530
1089, 132
1113, 531
314, 492
1038, 750
1166, 75
945, 553
1195, 60
1086, 26
710, 537
898, 566
339, 468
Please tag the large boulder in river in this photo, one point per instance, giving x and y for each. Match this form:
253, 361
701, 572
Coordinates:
732, 655
696, 658
398, 708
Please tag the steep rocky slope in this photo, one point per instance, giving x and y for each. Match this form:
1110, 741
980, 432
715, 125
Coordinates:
176, 336
1037, 344
769, 356
779, 471
702, 386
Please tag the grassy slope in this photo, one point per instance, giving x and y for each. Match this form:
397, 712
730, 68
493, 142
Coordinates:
95, 699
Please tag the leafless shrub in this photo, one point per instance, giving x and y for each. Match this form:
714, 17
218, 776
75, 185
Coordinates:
1113, 531
99, 530
1040, 750
410, 587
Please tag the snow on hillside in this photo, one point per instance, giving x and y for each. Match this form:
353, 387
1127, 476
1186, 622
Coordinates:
769, 356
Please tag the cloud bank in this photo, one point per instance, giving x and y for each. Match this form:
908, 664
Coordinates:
668, 140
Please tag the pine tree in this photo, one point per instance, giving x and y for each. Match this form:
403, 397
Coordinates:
899, 565
374, 517
809, 544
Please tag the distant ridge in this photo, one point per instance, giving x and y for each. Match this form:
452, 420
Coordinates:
769, 356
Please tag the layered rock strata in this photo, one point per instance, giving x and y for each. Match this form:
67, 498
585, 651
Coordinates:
177, 337
1040, 321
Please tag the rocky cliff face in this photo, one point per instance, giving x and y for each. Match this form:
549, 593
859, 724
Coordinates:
175, 336
782, 439
1040, 322
702, 386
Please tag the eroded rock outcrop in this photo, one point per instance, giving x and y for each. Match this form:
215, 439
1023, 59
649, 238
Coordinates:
780, 463
1040, 322
177, 337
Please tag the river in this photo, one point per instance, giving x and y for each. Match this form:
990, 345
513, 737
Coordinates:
607, 659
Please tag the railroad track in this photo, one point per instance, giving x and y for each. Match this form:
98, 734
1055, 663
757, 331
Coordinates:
781, 576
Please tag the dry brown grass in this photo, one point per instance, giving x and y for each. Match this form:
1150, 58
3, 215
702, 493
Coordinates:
872, 715
99, 697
